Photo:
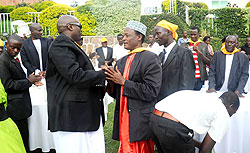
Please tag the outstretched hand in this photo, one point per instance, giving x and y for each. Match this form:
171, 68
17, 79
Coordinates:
114, 75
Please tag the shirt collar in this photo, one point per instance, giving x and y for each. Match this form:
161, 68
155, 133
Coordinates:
170, 47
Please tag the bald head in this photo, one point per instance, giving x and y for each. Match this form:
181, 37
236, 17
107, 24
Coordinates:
64, 20
35, 26
36, 31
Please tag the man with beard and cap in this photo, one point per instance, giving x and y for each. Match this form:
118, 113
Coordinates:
75, 92
177, 61
34, 50
229, 69
17, 86
134, 83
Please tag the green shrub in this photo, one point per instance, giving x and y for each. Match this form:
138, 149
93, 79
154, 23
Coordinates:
151, 20
42, 5
248, 4
112, 18
21, 14
6, 9
229, 21
166, 5
49, 17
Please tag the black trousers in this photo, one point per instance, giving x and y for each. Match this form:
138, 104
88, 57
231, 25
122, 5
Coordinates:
24, 131
170, 136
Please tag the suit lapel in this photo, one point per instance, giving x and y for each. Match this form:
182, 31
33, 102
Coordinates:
108, 53
134, 65
170, 56
102, 53
33, 51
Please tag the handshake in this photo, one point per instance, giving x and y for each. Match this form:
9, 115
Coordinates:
113, 75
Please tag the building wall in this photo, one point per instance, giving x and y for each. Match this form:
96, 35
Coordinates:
15, 2
90, 43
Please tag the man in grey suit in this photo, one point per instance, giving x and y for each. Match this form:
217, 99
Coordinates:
177, 62
105, 53
228, 69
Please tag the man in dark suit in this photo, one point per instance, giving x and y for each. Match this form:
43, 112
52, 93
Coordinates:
136, 83
177, 62
17, 87
75, 92
34, 50
228, 69
105, 53
201, 56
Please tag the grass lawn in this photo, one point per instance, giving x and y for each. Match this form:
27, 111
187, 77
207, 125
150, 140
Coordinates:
111, 145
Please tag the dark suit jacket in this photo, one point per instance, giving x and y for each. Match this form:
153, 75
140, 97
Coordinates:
238, 74
16, 86
30, 57
202, 64
141, 90
73, 88
177, 72
101, 60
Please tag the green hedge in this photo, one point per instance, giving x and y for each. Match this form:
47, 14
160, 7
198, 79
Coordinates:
6, 9
21, 14
248, 4
42, 5
229, 21
151, 20
111, 18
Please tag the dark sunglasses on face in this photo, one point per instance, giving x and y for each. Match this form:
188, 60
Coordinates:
77, 24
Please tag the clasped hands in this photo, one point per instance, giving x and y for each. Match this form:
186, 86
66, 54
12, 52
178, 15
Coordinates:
36, 79
113, 74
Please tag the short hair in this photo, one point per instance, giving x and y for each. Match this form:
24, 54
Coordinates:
120, 35
230, 98
195, 28
92, 55
205, 38
138, 33
15, 37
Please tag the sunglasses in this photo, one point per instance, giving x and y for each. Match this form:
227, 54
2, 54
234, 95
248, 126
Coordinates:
77, 24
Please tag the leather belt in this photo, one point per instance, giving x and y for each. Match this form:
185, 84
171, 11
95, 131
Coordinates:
165, 115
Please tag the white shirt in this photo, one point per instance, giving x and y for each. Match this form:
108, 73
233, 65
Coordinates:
168, 50
105, 52
229, 61
201, 112
156, 48
37, 44
119, 51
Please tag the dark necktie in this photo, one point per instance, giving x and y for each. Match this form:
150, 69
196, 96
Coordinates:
17, 60
163, 56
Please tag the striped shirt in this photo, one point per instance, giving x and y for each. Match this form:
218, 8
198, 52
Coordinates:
195, 56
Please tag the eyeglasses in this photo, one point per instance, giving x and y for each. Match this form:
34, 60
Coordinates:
77, 24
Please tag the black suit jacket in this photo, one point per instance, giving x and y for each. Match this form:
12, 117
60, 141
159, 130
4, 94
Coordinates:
30, 57
202, 64
16, 86
178, 72
101, 60
73, 88
141, 90
238, 74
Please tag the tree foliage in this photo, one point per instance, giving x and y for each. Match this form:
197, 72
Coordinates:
49, 18
110, 17
6, 9
151, 20
42, 5
21, 14
228, 21
248, 4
